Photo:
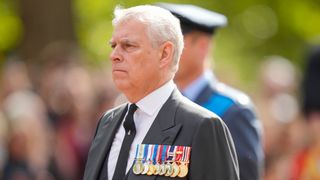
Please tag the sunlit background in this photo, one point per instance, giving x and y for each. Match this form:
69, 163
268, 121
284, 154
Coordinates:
55, 81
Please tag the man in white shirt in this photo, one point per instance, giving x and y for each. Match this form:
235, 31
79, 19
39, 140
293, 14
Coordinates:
158, 133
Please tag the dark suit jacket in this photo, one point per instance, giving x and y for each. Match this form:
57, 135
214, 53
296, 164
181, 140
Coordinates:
179, 122
236, 110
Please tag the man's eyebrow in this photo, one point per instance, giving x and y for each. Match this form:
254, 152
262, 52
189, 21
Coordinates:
126, 40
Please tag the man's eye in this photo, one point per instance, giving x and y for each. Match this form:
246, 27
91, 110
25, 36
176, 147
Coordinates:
127, 45
112, 46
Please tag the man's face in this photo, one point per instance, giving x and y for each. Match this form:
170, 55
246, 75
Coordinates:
189, 61
135, 62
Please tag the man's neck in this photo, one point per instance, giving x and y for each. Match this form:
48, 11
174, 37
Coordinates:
137, 95
185, 81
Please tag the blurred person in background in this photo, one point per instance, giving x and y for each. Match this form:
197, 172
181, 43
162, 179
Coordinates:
197, 82
49, 115
67, 87
15, 77
25, 114
306, 164
74, 97
16, 165
74, 129
105, 91
279, 112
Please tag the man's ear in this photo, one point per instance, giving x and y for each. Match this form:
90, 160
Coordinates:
166, 54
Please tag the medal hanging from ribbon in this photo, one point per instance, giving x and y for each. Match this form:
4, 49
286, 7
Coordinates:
175, 166
146, 154
184, 163
163, 159
152, 164
138, 162
151, 168
171, 161
157, 159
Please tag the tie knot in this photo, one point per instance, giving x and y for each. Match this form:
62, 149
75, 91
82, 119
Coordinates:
128, 124
132, 108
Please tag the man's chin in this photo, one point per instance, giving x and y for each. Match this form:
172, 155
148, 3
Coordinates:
121, 85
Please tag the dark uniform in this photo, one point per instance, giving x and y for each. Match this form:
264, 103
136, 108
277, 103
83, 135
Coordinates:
236, 110
233, 106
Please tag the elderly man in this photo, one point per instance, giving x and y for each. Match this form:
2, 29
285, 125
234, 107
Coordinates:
158, 134
198, 83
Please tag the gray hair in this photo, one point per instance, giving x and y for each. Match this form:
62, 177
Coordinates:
161, 26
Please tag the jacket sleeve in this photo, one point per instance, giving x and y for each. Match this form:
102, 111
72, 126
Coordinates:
213, 155
246, 133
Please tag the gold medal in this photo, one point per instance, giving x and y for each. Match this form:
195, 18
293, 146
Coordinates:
157, 169
176, 169
152, 169
162, 169
169, 169
183, 170
145, 168
184, 162
138, 168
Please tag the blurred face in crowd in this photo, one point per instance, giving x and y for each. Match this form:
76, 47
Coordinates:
196, 47
138, 67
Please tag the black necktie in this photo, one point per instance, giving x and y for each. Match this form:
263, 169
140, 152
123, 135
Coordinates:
130, 128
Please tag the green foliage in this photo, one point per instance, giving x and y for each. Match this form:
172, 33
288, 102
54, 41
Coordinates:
93, 27
10, 27
256, 29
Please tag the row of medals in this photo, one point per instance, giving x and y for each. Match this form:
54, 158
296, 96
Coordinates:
172, 169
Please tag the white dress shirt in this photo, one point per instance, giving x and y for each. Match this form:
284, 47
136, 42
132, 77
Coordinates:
148, 109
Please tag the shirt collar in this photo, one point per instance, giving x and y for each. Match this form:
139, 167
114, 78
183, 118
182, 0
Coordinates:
154, 101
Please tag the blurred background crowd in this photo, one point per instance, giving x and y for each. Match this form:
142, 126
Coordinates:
48, 118
55, 80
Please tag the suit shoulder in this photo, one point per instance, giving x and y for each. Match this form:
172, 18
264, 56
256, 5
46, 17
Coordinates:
192, 109
234, 96
196, 118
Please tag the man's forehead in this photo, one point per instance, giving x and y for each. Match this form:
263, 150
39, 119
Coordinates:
128, 32
130, 37
129, 23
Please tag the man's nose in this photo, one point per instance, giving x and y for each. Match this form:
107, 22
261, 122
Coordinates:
115, 54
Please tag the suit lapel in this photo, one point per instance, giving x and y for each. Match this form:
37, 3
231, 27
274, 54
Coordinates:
163, 130
103, 140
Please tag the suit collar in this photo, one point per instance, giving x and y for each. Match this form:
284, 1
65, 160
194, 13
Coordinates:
152, 103
166, 116
101, 145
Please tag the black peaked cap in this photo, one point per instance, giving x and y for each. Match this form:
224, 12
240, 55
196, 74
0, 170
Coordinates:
195, 18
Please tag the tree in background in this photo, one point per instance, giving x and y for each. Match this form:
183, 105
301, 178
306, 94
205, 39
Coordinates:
44, 22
